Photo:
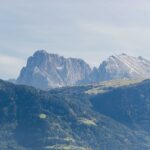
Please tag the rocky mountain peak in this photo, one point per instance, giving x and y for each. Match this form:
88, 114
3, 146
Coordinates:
44, 70
124, 66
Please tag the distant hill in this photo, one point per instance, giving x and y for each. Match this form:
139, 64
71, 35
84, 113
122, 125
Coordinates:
45, 71
71, 118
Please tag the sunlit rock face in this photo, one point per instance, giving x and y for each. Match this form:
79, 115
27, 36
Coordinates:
44, 70
123, 67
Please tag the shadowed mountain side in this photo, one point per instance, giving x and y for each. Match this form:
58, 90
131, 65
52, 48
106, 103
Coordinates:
66, 119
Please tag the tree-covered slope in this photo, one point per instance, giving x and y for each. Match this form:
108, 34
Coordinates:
70, 119
128, 105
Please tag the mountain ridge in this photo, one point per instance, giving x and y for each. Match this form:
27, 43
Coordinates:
44, 70
52, 70
124, 66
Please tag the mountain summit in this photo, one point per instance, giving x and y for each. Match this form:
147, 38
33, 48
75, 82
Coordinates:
44, 70
124, 67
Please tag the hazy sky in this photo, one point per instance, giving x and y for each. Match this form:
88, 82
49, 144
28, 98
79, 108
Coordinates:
89, 29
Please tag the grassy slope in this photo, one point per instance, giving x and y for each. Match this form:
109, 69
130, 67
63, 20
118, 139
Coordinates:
108, 85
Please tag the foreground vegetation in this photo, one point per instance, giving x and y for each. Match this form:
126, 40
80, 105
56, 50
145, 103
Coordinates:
72, 119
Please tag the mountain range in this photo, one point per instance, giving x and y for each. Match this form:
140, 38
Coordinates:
45, 71
62, 103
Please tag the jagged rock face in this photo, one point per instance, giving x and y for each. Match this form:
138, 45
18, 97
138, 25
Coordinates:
124, 67
45, 70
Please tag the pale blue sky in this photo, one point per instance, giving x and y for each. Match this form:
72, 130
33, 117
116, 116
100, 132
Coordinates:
88, 29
